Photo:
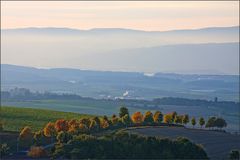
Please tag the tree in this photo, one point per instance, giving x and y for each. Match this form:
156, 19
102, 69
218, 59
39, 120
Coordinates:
61, 125
220, 123
26, 136
73, 126
185, 119
148, 118
63, 137
174, 114
98, 123
39, 137
83, 128
178, 119
93, 125
37, 152
123, 111
201, 121
234, 155
137, 118
74, 129
72, 122
126, 120
85, 121
115, 120
168, 118
105, 123
158, 117
211, 122
49, 130
193, 121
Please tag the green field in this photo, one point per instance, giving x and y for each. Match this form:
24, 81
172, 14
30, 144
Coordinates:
14, 119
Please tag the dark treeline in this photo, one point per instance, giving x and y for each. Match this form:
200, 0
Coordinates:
25, 94
123, 145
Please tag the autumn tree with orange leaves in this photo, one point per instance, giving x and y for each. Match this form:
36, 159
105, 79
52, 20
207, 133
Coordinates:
49, 130
158, 117
137, 118
61, 125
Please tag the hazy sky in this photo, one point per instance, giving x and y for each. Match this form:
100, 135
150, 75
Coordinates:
105, 52
136, 15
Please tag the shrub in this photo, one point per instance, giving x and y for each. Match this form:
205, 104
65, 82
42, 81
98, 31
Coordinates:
234, 155
4, 150
37, 152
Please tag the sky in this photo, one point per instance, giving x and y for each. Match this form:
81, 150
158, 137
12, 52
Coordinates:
153, 15
111, 52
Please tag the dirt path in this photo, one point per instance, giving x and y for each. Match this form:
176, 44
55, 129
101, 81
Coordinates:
216, 144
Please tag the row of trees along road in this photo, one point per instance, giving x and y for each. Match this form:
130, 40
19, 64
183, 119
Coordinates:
63, 130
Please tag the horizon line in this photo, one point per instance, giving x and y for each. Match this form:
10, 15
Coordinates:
123, 28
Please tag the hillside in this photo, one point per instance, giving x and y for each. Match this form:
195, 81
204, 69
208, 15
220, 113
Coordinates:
14, 119
217, 144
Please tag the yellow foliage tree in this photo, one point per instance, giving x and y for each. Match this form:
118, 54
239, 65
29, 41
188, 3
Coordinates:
73, 126
26, 136
115, 120
168, 118
49, 130
158, 117
104, 124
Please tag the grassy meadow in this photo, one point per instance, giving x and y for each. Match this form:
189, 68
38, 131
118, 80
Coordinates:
14, 119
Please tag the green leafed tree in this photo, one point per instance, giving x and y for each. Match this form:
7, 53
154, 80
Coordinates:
123, 111
185, 119
178, 119
193, 121
126, 120
201, 121
211, 122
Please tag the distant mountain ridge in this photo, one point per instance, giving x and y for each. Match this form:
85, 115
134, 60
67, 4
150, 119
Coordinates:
232, 28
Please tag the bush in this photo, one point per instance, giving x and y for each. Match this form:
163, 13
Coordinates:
4, 150
234, 154
37, 152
